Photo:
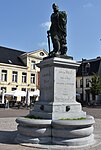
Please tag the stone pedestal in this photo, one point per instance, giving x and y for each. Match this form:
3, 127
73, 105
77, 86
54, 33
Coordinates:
58, 90
61, 132
57, 102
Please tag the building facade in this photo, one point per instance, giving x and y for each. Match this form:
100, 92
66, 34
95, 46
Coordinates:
18, 69
84, 75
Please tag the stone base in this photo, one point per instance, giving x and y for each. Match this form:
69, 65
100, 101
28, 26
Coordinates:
33, 131
59, 56
73, 132
58, 110
74, 142
61, 132
58, 90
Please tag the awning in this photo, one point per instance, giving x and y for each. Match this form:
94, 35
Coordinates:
36, 93
15, 93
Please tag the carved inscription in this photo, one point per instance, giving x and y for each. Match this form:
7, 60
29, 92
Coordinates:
46, 84
65, 84
46, 79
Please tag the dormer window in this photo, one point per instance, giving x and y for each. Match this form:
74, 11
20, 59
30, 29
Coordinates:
10, 61
41, 53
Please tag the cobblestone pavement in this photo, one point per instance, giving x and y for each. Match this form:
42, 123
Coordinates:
8, 130
95, 112
13, 112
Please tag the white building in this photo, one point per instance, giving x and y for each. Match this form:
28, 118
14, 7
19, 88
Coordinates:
84, 75
18, 69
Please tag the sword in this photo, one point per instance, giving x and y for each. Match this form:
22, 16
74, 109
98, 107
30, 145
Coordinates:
48, 36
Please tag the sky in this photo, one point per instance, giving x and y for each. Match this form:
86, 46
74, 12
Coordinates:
24, 25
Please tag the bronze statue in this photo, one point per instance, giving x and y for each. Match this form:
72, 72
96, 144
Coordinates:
58, 32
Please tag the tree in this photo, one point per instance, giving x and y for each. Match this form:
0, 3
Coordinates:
95, 88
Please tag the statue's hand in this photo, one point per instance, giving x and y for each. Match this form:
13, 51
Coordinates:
48, 31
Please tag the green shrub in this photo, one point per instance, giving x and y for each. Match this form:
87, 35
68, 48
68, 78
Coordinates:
82, 118
33, 117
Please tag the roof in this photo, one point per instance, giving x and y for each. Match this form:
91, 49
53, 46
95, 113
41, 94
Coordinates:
93, 68
36, 51
11, 56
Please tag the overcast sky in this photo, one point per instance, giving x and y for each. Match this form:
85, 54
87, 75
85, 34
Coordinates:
24, 25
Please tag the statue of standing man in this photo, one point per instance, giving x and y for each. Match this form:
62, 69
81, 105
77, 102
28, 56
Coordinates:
58, 31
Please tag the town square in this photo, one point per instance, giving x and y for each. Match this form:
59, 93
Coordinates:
50, 92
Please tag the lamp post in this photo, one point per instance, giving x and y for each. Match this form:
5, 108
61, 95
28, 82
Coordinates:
82, 80
85, 71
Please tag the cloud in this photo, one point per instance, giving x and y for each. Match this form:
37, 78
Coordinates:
88, 5
42, 44
46, 24
45, 45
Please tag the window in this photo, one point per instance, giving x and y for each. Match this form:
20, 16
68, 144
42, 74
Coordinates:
3, 89
81, 83
23, 89
32, 90
24, 77
32, 78
4, 75
32, 64
14, 76
13, 89
41, 53
87, 82
1, 94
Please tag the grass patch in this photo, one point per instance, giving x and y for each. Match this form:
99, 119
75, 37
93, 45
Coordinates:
82, 118
33, 117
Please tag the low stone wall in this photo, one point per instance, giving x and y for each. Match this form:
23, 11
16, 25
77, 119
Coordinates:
73, 132
33, 131
61, 132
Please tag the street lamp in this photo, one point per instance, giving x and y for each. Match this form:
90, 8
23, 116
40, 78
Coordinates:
85, 71
82, 80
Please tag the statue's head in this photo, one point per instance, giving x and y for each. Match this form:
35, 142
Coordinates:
55, 7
